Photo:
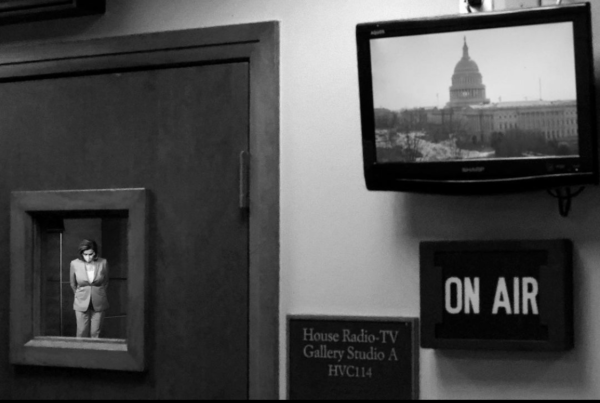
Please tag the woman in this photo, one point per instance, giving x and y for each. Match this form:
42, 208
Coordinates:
89, 280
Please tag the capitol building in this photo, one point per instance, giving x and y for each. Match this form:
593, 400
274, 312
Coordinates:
472, 112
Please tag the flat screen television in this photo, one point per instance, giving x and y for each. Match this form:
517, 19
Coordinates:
479, 103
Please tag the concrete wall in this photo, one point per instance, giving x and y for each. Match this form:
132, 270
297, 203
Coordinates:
347, 251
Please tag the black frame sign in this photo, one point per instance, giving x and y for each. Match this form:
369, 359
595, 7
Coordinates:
497, 295
351, 358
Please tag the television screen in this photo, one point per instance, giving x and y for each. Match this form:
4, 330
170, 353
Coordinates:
484, 102
470, 100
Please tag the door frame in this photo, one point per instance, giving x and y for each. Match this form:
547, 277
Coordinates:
258, 45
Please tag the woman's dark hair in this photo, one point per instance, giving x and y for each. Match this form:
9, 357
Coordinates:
87, 244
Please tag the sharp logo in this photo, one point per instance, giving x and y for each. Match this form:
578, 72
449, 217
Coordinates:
476, 170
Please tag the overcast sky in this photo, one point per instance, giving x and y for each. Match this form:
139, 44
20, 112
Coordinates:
413, 71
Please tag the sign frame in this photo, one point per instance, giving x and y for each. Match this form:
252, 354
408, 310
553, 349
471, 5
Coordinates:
555, 294
413, 322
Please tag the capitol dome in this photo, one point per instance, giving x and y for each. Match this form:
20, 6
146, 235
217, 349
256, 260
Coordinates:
466, 66
467, 82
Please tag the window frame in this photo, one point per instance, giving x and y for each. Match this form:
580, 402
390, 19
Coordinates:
27, 345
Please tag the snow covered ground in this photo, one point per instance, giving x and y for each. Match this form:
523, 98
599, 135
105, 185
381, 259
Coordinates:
443, 151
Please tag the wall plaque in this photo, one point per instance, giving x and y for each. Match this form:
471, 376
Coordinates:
336, 358
497, 295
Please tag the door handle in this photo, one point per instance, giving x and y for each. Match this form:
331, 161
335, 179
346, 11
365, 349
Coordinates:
244, 191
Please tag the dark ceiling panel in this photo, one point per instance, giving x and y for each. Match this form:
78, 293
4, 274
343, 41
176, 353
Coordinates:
18, 11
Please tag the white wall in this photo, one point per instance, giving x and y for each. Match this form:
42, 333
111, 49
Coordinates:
347, 251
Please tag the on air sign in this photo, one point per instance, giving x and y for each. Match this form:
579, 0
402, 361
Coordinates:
520, 300
497, 295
